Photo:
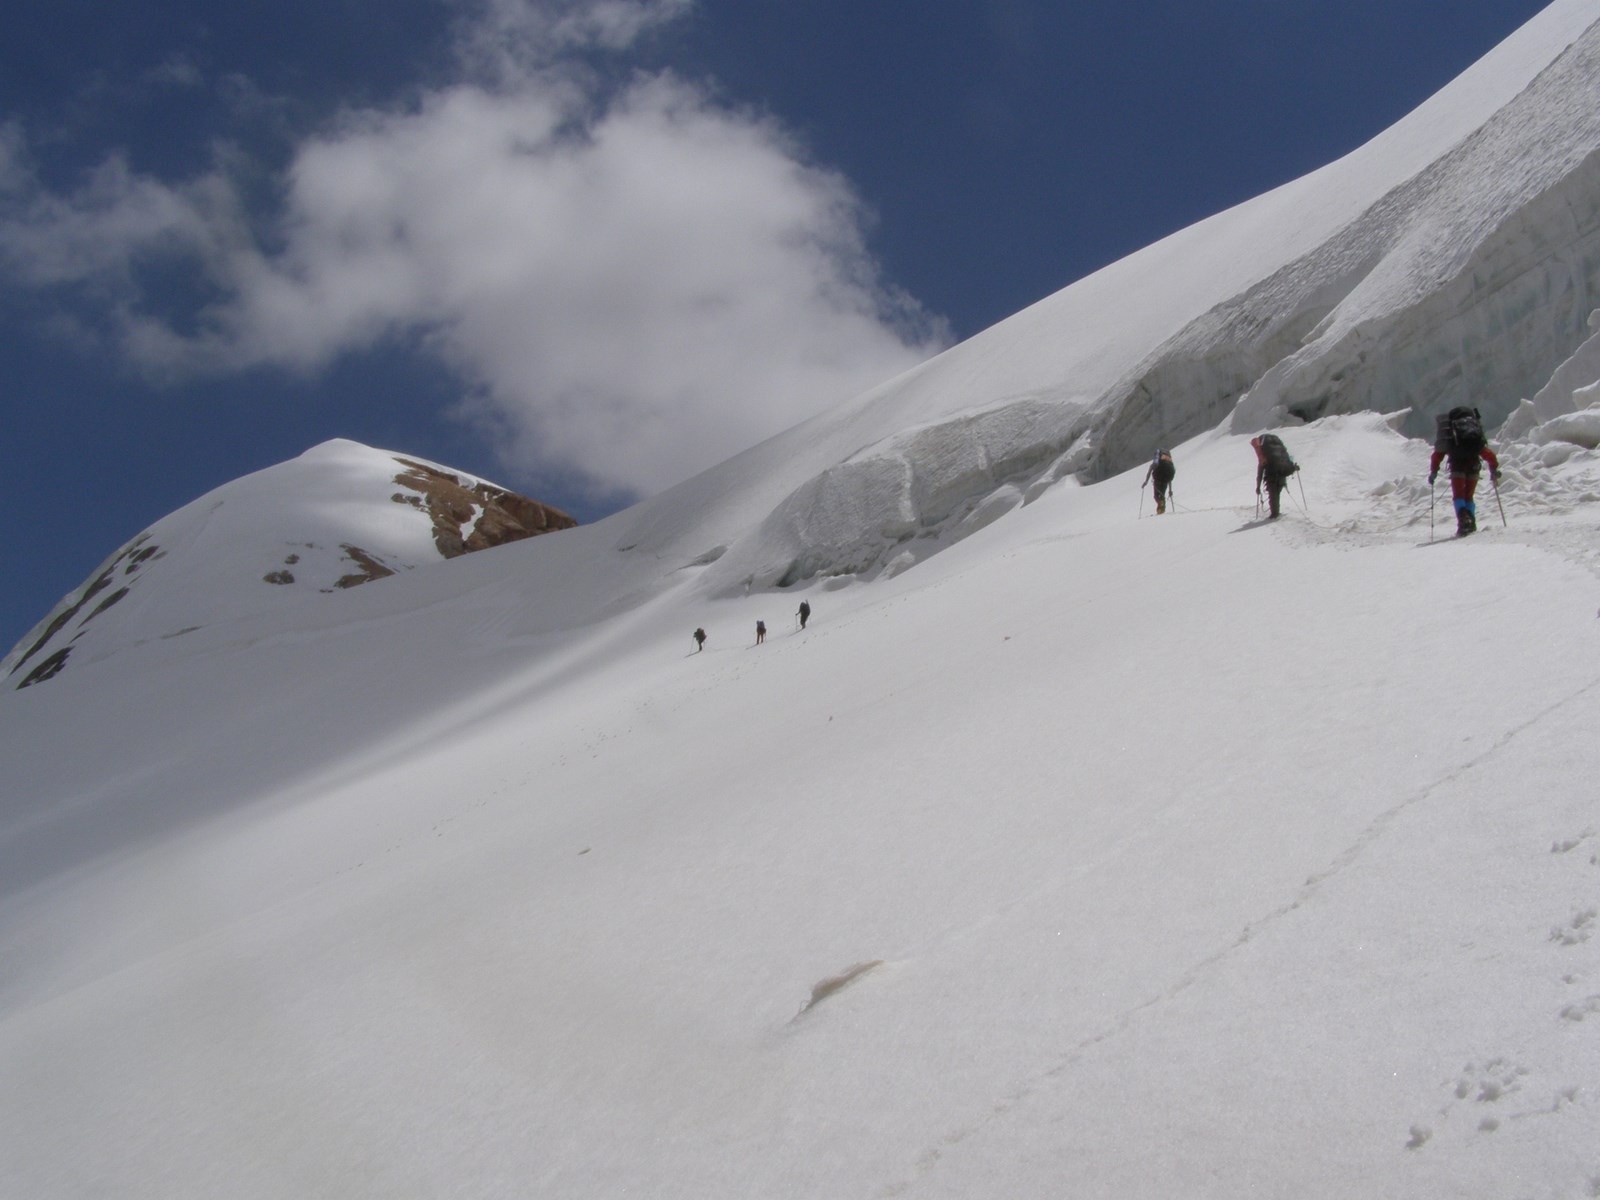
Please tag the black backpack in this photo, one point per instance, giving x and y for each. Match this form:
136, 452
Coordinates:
1460, 432
1276, 455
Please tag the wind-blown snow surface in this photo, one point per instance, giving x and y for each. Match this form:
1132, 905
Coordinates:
1195, 856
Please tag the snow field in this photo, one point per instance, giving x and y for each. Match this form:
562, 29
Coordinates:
1197, 854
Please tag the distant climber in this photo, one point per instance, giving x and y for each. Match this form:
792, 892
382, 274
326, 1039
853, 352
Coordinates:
1160, 474
699, 640
1273, 468
761, 632
1459, 437
805, 612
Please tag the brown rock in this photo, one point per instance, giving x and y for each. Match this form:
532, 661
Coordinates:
468, 518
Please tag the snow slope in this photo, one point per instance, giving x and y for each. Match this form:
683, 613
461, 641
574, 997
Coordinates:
1095, 855
1191, 855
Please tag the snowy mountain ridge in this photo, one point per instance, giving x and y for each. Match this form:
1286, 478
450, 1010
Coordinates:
339, 516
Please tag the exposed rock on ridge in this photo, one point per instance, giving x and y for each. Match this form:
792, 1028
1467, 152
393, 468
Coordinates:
325, 522
470, 516
123, 567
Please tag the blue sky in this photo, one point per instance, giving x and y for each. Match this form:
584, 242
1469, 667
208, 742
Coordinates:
586, 247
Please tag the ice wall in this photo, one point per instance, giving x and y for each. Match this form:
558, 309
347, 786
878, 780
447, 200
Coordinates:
1467, 284
1469, 281
1572, 386
892, 504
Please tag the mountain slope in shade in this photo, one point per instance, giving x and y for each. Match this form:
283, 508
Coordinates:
340, 515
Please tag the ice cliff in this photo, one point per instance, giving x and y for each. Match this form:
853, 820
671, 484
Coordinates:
1455, 258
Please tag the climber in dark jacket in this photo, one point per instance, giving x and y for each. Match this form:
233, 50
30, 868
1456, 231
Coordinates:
1161, 473
1273, 468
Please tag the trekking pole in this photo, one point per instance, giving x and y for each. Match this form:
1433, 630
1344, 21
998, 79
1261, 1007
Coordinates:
1289, 492
1141, 502
1497, 503
1301, 479
1430, 509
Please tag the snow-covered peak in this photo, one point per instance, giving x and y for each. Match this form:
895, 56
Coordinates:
295, 534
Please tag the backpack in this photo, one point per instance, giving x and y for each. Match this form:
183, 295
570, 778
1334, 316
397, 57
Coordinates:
1276, 455
1460, 432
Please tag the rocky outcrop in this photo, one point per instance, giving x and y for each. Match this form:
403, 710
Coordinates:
473, 516
123, 569
367, 569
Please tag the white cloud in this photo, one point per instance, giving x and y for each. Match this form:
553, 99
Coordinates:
634, 284
103, 229
504, 39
